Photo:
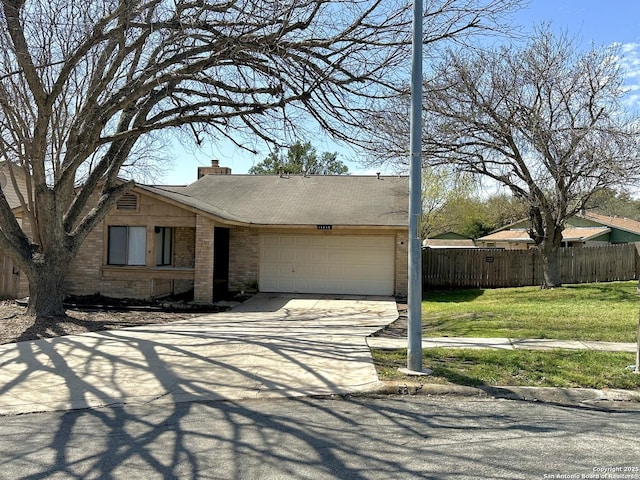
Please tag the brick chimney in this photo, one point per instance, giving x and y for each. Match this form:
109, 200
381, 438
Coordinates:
214, 169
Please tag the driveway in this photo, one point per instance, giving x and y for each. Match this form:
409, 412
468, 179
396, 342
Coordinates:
270, 346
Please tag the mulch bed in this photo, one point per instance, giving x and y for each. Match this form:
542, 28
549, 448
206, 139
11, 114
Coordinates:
90, 314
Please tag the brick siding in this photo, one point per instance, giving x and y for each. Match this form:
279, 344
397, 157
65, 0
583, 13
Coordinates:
203, 279
184, 255
243, 259
84, 276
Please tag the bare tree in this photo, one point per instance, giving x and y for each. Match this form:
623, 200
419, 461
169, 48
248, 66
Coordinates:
83, 83
543, 120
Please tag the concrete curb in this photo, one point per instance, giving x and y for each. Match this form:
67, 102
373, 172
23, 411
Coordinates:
564, 396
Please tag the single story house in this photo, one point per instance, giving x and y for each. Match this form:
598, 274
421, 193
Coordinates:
449, 240
623, 230
586, 229
234, 233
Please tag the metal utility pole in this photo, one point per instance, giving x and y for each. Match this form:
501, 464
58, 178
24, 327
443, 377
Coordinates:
414, 301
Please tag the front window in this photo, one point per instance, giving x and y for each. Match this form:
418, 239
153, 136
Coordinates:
127, 245
164, 244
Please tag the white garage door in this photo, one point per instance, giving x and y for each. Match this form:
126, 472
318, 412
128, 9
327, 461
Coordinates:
327, 264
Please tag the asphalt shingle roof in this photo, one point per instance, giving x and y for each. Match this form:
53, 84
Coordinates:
515, 235
448, 243
298, 200
568, 234
622, 223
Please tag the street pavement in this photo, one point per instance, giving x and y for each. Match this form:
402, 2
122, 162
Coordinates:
250, 394
270, 346
351, 438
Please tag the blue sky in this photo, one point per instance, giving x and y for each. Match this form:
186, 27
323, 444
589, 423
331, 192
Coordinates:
601, 21
595, 22
598, 22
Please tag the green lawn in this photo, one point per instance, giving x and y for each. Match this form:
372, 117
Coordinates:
602, 311
598, 311
556, 368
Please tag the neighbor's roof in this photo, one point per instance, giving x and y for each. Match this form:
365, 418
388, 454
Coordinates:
449, 243
620, 223
571, 234
515, 235
297, 200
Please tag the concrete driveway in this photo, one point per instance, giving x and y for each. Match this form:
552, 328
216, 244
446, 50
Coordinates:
270, 346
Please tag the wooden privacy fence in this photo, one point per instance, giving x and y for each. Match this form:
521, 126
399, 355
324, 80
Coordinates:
9, 278
493, 268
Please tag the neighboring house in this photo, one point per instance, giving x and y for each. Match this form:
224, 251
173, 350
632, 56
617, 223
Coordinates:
232, 233
9, 273
623, 230
7, 186
586, 229
449, 240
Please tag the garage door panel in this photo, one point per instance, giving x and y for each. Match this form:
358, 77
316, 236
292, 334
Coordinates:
270, 270
319, 241
317, 271
327, 264
316, 256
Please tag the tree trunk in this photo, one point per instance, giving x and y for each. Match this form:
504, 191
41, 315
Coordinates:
46, 290
550, 265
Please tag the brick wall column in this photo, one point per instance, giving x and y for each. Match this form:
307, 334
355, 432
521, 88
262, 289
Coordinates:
243, 259
203, 278
402, 263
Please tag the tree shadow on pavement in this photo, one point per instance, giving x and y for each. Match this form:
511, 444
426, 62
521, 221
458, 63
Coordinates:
301, 438
180, 423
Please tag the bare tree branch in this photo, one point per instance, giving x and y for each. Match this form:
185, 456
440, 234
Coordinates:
543, 120
84, 83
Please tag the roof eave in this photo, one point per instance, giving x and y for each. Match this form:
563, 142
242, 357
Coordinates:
333, 225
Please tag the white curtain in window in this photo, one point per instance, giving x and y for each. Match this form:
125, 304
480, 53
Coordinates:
137, 246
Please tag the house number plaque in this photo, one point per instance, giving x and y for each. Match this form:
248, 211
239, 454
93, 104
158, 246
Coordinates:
324, 227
